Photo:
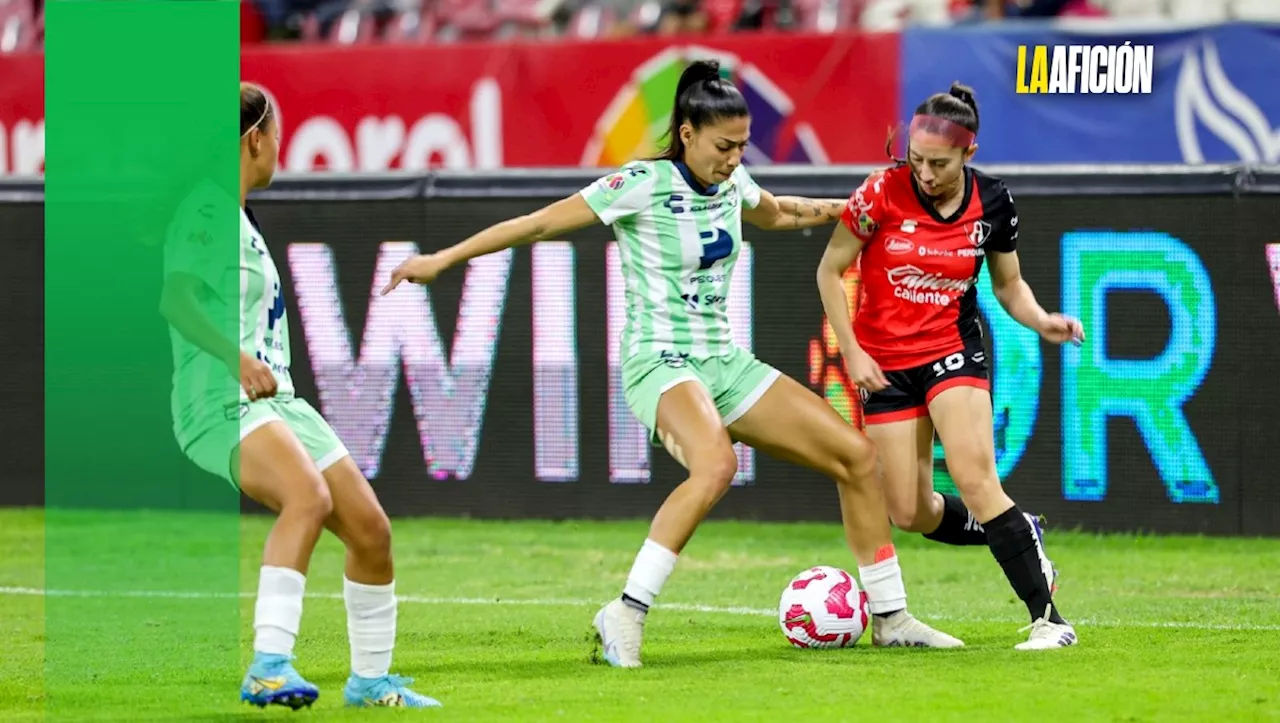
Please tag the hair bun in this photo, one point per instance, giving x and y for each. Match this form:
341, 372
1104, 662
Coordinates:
699, 71
963, 93
704, 69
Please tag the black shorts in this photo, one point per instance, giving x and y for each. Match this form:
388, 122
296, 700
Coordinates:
910, 390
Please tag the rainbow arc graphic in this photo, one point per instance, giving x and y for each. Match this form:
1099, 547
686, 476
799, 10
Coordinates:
635, 122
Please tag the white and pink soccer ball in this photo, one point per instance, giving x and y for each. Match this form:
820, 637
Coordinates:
823, 607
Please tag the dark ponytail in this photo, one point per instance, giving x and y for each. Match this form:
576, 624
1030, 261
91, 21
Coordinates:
702, 97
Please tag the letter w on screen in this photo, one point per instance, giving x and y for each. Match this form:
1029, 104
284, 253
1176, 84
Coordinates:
357, 393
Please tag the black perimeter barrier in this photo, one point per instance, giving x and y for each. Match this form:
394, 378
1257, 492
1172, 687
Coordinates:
502, 401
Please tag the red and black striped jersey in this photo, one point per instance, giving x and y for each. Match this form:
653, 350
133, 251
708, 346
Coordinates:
919, 270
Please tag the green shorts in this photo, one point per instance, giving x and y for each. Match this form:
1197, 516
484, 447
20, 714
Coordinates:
211, 449
735, 380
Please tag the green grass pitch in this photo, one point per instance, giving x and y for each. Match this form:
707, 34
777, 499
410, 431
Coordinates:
495, 615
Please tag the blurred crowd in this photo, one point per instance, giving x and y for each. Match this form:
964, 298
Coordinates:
360, 21
354, 21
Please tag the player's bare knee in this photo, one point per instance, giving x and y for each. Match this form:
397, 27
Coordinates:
854, 461
313, 502
904, 515
975, 479
369, 535
715, 472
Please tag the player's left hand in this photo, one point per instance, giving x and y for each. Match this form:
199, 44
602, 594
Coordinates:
1061, 329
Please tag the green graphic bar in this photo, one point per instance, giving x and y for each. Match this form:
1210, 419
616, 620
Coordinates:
142, 608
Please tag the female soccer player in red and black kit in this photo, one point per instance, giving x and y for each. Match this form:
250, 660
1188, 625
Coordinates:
923, 229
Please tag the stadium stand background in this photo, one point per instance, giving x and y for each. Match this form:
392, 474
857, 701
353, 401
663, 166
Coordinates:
436, 21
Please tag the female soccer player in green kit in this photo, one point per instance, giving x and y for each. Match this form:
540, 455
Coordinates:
274, 446
678, 220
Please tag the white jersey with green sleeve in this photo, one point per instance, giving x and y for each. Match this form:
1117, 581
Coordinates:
678, 246
200, 391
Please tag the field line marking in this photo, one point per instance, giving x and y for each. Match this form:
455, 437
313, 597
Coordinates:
554, 602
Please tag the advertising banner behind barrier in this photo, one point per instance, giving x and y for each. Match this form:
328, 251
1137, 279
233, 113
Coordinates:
1209, 96
813, 99
496, 392
1212, 97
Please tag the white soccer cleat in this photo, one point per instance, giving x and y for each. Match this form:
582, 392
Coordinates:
619, 630
902, 630
1047, 635
1046, 566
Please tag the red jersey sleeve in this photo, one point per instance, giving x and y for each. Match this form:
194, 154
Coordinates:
866, 208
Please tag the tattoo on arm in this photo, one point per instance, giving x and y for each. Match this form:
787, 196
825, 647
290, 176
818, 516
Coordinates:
802, 212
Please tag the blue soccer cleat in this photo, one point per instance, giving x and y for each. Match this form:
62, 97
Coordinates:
389, 691
271, 680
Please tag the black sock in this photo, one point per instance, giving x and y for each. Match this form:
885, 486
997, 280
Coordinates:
1013, 544
634, 603
958, 526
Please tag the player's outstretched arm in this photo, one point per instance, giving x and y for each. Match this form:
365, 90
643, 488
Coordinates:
559, 218
1017, 298
786, 212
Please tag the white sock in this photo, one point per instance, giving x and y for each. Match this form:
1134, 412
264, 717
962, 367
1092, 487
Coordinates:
651, 569
278, 610
371, 626
883, 583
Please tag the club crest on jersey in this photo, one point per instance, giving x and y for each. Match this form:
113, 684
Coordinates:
899, 245
979, 232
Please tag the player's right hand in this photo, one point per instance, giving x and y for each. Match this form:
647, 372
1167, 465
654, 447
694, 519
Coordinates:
256, 378
421, 269
865, 373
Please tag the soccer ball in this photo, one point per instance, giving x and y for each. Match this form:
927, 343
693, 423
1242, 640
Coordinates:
823, 607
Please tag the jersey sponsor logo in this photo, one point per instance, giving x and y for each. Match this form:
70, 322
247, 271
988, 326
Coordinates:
674, 359
979, 232
696, 300
914, 284
926, 251
900, 246
615, 181
677, 203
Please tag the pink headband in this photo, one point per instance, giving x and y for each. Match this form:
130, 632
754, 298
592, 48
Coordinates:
953, 133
